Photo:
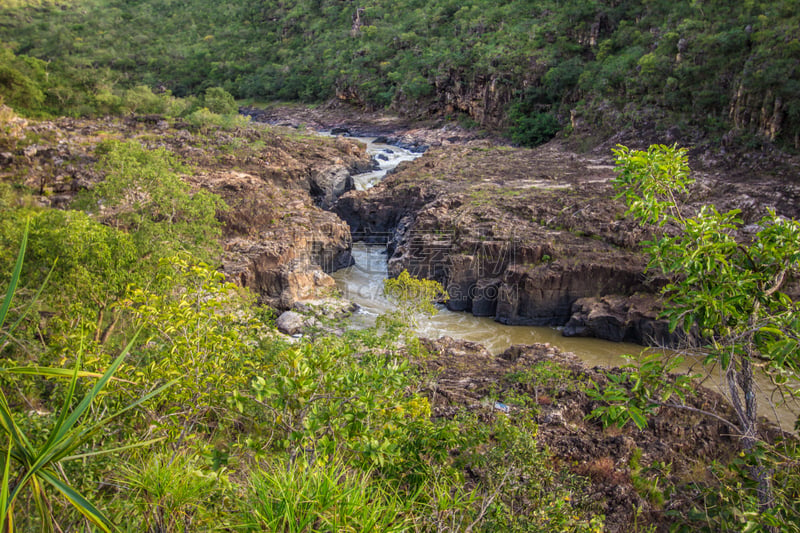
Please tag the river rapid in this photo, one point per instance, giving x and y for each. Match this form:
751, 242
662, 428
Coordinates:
362, 283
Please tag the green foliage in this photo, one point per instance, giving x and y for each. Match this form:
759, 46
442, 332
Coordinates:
413, 295
140, 99
323, 399
655, 199
18, 84
688, 60
638, 390
321, 495
220, 101
532, 130
193, 317
143, 194
39, 465
725, 288
175, 492
203, 119
730, 501
527, 494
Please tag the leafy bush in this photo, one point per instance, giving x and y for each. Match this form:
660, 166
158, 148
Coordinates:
142, 100
143, 193
203, 119
532, 130
192, 317
219, 101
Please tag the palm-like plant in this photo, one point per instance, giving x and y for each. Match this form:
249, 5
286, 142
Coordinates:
38, 468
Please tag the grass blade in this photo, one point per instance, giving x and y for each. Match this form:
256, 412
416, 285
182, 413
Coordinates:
12, 287
49, 372
30, 305
9, 425
112, 450
87, 400
73, 383
40, 504
5, 504
62, 439
73, 440
78, 501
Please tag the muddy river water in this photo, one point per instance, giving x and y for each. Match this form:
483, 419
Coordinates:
363, 284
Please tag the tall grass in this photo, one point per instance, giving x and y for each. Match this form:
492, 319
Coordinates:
301, 497
38, 468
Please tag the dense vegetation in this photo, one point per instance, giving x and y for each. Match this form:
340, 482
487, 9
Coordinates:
531, 66
142, 392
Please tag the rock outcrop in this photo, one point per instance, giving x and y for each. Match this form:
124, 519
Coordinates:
617, 318
519, 235
542, 382
276, 239
533, 237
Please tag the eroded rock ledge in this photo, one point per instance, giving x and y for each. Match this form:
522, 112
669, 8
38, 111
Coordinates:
519, 235
531, 237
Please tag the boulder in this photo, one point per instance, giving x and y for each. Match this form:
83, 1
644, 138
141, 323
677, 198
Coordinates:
290, 323
329, 184
622, 318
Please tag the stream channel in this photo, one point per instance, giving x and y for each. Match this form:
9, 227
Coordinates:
362, 284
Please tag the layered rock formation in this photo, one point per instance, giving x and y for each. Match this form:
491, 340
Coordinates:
530, 237
519, 235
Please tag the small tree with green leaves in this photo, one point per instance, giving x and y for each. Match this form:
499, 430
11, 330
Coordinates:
414, 296
724, 285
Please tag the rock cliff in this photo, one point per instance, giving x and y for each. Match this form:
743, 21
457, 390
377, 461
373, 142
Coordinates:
276, 238
532, 237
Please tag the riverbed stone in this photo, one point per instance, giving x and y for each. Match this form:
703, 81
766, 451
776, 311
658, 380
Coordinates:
290, 323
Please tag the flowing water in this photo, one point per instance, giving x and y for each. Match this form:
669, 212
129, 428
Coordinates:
362, 283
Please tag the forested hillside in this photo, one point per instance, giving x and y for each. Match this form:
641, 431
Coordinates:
533, 67
176, 357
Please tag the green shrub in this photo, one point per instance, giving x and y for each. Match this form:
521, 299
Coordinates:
204, 119
142, 100
219, 101
533, 130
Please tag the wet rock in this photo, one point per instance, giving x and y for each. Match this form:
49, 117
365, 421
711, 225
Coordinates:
620, 318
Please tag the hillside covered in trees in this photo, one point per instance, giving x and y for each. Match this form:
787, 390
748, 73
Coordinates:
175, 355
530, 68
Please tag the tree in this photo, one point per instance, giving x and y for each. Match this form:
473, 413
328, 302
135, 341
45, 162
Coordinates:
725, 285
